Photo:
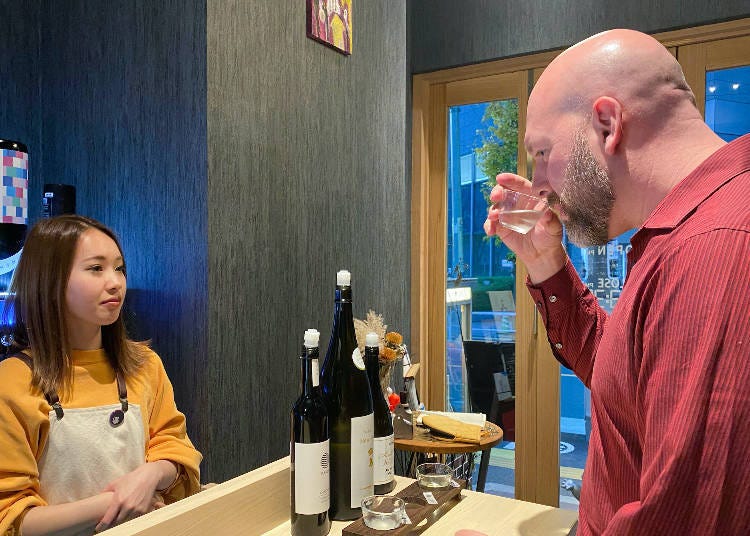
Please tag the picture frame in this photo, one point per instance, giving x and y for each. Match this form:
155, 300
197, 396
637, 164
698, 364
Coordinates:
330, 22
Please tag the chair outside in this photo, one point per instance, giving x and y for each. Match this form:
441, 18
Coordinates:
483, 359
491, 377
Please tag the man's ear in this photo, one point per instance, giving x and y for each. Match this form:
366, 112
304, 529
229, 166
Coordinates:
607, 122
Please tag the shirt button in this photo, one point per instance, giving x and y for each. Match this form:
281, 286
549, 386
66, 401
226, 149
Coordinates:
539, 305
553, 298
558, 345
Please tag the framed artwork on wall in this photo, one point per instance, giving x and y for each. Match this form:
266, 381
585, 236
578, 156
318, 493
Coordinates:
330, 22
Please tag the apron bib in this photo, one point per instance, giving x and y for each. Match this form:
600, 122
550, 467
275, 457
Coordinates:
84, 452
87, 448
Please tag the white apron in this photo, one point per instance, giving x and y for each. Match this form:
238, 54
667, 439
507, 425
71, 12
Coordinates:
85, 452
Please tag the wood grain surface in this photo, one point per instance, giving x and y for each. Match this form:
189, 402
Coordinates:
258, 503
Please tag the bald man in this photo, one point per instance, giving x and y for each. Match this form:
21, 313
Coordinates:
618, 144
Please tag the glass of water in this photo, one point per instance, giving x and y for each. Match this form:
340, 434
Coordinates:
520, 212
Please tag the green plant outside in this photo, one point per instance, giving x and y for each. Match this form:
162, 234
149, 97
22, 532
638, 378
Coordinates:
480, 300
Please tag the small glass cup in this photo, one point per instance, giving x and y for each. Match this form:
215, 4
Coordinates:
520, 212
434, 475
383, 512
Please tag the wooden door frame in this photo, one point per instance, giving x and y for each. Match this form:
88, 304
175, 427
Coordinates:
698, 58
537, 373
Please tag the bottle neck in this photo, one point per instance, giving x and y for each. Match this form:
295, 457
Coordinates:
343, 328
344, 304
343, 294
372, 365
310, 373
343, 316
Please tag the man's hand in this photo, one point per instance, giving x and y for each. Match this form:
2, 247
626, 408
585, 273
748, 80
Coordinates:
540, 249
134, 494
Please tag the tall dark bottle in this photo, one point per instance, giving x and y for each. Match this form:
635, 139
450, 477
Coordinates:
15, 207
309, 450
350, 418
382, 458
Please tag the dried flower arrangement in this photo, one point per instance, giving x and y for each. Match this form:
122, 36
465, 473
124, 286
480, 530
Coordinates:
392, 347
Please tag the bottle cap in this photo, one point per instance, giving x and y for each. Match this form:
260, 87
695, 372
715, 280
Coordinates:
312, 336
372, 339
343, 278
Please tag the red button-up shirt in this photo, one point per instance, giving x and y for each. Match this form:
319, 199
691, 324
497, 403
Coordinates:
669, 369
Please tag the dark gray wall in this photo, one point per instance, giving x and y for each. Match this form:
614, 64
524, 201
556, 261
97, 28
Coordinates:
124, 121
306, 176
20, 104
447, 33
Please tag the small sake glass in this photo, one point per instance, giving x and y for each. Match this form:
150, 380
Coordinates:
383, 512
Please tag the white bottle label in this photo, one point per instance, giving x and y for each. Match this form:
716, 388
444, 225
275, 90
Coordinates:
363, 430
311, 478
357, 359
383, 459
315, 373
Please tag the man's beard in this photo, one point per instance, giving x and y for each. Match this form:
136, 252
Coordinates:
586, 198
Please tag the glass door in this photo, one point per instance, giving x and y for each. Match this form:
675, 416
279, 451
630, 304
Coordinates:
480, 286
468, 290
719, 73
481, 283
727, 102
482, 140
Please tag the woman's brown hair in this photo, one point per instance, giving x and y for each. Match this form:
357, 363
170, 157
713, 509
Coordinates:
37, 306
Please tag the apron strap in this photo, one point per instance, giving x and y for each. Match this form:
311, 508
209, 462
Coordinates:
122, 390
51, 397
54, 401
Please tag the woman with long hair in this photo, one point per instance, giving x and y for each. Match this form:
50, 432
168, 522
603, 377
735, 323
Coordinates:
89, 432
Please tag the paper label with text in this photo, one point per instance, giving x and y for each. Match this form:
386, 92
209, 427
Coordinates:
363, 429
383, 460
311, 478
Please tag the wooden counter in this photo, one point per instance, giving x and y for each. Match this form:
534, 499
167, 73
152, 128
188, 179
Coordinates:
257, 503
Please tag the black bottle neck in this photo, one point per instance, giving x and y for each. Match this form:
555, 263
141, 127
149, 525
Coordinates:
343, 295
336, 362
372, 365
308, 373
344, 318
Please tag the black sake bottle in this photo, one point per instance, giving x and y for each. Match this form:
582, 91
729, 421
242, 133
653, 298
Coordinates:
309, 450
382, 474
350, 417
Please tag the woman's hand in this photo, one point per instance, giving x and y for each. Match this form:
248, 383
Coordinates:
134, 494
540, 249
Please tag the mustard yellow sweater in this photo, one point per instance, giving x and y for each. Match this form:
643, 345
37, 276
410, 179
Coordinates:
24, 426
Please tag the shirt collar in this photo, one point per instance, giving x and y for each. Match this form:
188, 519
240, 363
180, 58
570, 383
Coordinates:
88, 357
700, 184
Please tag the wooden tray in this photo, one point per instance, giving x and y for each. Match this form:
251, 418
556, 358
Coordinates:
416, 512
